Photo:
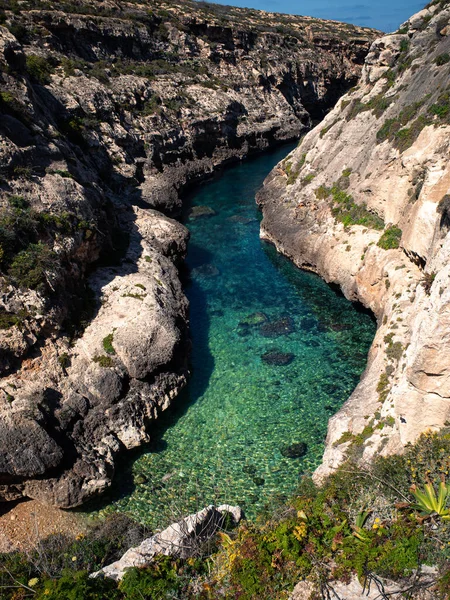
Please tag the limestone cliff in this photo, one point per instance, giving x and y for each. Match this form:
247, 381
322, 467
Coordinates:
364, 201
107, 111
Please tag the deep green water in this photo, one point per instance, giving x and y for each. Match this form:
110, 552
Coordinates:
222, 442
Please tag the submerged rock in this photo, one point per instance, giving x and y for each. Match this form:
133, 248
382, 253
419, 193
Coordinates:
198, 212
296, 450
340, 326
241, 219
273, 329
277, 358
254, 319
205, 271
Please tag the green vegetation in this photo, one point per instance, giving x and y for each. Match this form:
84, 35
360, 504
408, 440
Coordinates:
325, 130
390, 238
442, 59
104, 361
383, 386
378, 104
107, 344
39, 68
371, 521
28, 268
394, 350
26, 240
308, 178
8, 319
344, 208
441, 108
293, 171
403, 138
427, 281
429, 503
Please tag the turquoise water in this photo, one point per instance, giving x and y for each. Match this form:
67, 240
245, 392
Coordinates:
226, 439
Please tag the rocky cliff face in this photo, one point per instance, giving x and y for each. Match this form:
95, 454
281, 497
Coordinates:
364, 201
106, 113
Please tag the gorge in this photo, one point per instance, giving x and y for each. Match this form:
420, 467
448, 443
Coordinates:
107, 115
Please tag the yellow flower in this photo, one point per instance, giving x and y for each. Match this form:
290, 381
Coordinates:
33, 582
300, 531
74, 558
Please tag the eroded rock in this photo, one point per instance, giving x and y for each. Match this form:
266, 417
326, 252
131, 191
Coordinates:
180, 540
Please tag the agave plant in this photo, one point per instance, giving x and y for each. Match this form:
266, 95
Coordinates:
429, 503
358, 529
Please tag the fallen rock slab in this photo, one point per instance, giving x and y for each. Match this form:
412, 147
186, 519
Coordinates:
180, 540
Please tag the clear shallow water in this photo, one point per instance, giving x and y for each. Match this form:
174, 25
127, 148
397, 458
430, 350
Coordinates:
223, 440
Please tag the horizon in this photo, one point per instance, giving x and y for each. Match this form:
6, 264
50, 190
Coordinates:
386, 15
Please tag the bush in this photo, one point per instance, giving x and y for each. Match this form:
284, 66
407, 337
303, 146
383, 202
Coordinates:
77, 585
107, 344
104, 361
442, 59
28, 269
160, 580
39, 68
390, 238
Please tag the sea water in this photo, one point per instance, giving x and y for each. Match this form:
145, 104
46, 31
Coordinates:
275, 353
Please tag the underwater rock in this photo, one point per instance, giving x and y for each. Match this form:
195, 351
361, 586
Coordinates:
273, 329
205, 271
257, 318
241, 219
340, 326
277, 358
244, 332
296, 450
197, 212
308, 324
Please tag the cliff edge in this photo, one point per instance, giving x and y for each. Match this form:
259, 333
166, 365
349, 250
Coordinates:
364, 201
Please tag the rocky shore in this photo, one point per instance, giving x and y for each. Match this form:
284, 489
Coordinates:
364, 202
106, 115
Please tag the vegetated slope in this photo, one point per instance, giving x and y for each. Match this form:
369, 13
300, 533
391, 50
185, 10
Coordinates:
107, 110
364, 202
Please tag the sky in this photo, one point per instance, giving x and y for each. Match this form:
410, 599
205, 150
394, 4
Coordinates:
385, 15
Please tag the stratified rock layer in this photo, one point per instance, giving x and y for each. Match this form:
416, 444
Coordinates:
379, 161
107, 112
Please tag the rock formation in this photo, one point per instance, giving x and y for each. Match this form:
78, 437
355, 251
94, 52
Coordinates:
107, 112
364, 201
183, 539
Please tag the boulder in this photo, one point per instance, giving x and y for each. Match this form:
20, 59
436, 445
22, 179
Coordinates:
179, 540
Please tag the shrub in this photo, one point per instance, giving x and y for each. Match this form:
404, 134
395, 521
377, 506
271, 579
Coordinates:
441, 108
28, 268
383, 387
160, 580
390, 238
39, 68
77, 585
104, 361
442, 59
8, 319
427, 281
107, 344
349, 213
